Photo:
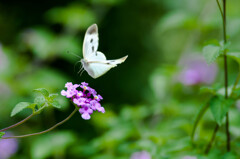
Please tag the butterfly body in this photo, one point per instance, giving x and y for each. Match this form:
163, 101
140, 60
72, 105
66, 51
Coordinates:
95, 62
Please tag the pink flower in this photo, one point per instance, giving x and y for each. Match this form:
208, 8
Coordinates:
195, 70
71, 90
8, 147
86, 111
141, 155
95, 105
87, 100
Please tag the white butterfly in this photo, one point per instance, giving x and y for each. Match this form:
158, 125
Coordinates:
95, 62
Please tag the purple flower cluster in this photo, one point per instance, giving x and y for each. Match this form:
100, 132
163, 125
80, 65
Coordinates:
87, 100
8, 147
196, 71
141, 155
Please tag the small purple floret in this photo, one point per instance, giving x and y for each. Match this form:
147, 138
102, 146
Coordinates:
8, 147
86, 111
141, 155
196, 71
87, 100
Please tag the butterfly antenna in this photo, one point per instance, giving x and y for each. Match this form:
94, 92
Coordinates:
73, 54
82, 72
75, 65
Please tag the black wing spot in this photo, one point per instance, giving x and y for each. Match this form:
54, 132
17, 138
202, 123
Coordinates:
92, 48
108, 63
92, 30
91, 40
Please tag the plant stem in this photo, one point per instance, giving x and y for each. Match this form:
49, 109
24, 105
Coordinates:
234, 87
19, 123
198, 118
226, 74
212, 139
219, 6
223, 13
23, 121
235, 83
45, 131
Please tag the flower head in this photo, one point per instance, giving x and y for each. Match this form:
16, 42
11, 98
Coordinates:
84, 84
8, 147
92, 91
195, 71
95, 105
141, 155
86, 112
79, 101
98, 97
87, 100
71, 90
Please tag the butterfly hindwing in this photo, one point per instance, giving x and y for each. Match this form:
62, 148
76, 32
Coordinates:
99, 65
90, 43
96, 70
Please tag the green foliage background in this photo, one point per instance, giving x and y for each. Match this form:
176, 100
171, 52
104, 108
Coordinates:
146, 108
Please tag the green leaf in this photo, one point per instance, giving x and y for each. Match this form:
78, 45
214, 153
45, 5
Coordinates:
19, 107
43, 91
1, 134
225, 46
235, 56
236, 92
55, 104
198, 118
221, 91
53, 95
208, 90
211, 52
219, 107
40, 101
32, 106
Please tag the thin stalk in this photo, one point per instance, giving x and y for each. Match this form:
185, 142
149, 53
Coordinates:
19, 123
223, 14
219, 6
235, 83
214, 133
22, 121
45, 131
226, 74
198, 118
212, 139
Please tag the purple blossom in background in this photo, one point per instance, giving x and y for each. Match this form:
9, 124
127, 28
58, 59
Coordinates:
87, 100
141, 155
8, 147
195, 70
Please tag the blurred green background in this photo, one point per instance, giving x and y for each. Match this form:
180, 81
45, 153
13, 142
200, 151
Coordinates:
149, 104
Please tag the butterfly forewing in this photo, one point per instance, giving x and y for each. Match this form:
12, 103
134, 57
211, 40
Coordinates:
90, 43
98, 56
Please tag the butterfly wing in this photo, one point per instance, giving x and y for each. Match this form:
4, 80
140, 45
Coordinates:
95, 62
90, 43
99, 65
